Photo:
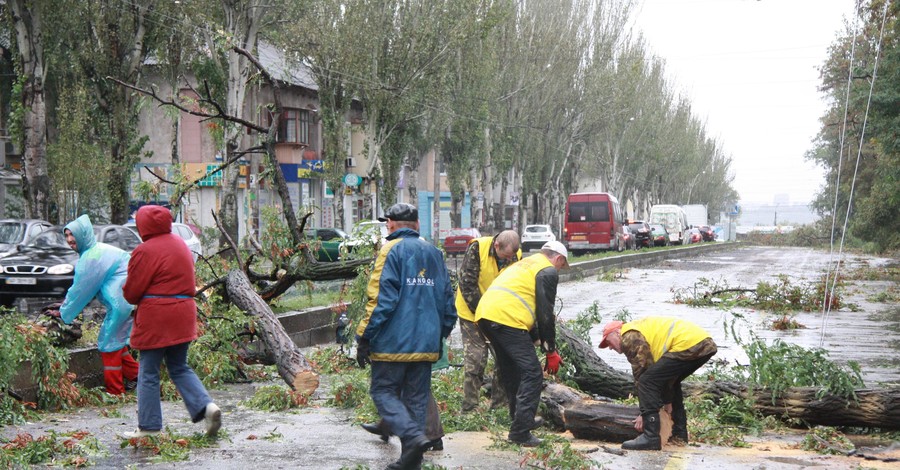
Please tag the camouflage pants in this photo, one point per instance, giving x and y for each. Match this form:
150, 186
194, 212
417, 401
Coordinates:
475, 351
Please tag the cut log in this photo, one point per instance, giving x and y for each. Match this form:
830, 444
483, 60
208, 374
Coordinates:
877, 408
292, 365
587, 418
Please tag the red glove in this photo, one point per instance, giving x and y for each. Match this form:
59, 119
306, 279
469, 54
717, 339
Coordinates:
553, 362
52, 313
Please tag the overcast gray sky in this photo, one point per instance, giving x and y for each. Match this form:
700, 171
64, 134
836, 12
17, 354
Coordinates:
750, 68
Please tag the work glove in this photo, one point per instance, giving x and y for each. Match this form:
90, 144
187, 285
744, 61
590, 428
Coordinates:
51, 313
362, 352
553, 362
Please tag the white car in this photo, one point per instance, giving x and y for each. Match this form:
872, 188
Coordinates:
534, 236
371, 233
185, 232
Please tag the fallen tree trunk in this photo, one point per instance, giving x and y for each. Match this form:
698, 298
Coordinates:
587, 418
292, 366
592, 374
879, 408
873, 408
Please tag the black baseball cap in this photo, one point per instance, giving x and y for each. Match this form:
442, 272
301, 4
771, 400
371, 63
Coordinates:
401, 212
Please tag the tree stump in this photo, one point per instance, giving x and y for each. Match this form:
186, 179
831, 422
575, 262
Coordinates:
292, 365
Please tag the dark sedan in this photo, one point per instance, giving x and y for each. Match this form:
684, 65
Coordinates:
45, 265
325, 242
659, 234
641, 232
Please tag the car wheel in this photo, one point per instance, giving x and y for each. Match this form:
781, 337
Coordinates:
6, 301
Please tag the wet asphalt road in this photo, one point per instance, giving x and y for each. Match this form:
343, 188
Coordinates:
326, 438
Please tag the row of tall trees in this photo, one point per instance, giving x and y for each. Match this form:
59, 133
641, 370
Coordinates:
534, 98
859, 143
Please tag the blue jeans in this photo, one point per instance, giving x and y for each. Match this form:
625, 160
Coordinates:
400, 391
189, 386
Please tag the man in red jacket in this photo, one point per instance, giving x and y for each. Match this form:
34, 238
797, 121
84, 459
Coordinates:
161, 284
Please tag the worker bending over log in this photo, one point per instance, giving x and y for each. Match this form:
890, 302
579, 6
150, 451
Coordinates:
662, 351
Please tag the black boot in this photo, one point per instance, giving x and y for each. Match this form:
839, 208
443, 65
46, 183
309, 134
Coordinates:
679, 427
411, 454
649, 440
380, 429
436, 444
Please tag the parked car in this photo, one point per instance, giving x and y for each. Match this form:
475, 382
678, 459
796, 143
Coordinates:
325, 242
534, 236
458, 239
14, 232
708, 234
185, 231
641, 232
692, 235
627, 239
44, 266
659, 235
370, 233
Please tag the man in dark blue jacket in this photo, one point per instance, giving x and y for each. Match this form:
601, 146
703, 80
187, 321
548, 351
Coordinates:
409, 312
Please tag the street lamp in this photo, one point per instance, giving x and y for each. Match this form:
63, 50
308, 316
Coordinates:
691, 188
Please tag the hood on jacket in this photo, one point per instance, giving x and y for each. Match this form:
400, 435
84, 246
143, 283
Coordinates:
83, 231
152, 221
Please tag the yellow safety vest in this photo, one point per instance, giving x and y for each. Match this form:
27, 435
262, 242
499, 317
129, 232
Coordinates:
510, 300
666, 334
486, 276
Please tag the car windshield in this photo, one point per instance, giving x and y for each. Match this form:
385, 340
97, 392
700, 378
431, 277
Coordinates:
537, 228
11, 232
635, 226
49, 239
373, 229
463, 232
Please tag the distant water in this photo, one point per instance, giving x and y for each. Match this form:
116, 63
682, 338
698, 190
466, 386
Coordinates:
781, 214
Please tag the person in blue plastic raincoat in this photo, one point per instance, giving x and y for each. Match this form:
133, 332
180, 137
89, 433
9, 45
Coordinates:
100, 272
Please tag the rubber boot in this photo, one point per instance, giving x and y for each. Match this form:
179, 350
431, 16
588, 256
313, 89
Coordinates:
679, 427
649, 440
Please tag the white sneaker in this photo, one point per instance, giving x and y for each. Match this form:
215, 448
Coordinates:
139, 433
213, 417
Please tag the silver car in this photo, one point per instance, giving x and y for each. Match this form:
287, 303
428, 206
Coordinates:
14, 232
185, 232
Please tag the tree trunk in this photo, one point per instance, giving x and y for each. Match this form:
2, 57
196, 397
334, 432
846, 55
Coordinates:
874, 407
586, 418
292, 366
28, 23
591, 373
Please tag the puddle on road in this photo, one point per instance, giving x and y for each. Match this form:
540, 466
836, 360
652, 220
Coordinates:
866, 336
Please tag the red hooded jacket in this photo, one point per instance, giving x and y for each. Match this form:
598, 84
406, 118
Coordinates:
161, 283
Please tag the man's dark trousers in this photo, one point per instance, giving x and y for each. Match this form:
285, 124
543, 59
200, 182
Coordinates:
661, 383
520, 372
400, 391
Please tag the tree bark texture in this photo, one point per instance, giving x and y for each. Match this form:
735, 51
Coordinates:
586, 418
292, 366
592, 374
874, 407
28, 24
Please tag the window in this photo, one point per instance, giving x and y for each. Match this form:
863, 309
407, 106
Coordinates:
589, 211
294, 126
130, 241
